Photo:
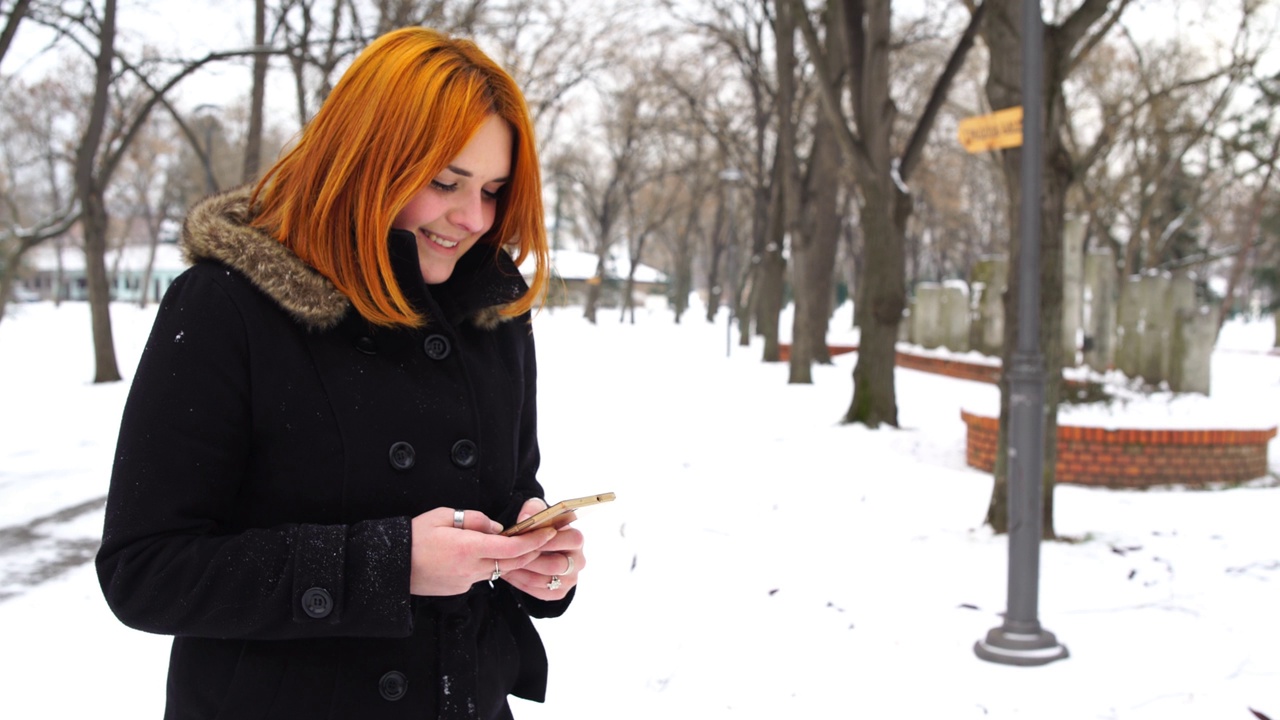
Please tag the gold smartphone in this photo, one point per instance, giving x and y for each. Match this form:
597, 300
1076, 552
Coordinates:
551, 514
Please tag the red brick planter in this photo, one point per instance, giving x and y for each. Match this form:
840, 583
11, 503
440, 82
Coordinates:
1101, 457
1136, 458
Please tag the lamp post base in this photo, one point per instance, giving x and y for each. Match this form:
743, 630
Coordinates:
1019, 648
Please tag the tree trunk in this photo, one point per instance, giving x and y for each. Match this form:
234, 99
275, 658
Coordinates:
16, 15
773, 273
1004, 90
8, 278
717, 276
628, 303
94, 218
813, 253
253, 140
594, 286
881, 299
95, 224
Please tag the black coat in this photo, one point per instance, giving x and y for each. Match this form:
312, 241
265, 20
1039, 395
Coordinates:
273, 449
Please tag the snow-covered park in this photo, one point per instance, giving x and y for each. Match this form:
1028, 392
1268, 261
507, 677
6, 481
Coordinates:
761, 560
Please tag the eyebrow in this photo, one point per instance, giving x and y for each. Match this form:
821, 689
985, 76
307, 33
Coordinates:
467, 173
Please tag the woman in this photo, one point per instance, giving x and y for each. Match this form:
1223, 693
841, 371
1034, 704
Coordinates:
334, 417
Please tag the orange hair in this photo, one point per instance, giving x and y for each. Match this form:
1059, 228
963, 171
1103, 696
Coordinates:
404, 109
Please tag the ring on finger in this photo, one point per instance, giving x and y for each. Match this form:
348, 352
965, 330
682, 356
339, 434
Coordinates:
569, 569
497, 572
555, 583
459, 517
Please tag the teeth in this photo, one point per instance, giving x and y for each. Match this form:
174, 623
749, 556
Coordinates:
441, 241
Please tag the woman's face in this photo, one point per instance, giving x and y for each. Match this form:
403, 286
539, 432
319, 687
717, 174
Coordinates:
458, 206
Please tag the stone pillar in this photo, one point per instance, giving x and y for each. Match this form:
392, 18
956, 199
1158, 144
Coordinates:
954, 315
1128, 327
1100, 310
988, 281
1072, 288
926, 315
1155, 327
1195, 332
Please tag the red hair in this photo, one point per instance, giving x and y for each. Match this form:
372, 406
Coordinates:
405, 108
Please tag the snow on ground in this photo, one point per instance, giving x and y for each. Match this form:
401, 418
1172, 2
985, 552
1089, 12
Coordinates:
761, 561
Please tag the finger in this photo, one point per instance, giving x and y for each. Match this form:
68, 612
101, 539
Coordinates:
537, 585
479, 522
500, 568
531, 507
501, 547
554, 563
471, 520
566, 540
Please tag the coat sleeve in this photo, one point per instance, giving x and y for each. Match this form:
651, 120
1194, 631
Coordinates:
172, 560
527, 485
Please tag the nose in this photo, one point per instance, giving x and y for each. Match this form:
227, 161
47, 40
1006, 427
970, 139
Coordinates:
468, 213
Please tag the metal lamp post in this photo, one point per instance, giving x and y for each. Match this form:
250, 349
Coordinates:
1020, 639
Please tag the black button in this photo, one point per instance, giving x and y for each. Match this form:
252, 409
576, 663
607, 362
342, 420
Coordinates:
393, 685
464, 454
436, 347
401, 455
317, 602
366, 345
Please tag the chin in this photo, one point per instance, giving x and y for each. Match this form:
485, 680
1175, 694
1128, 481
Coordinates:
436, 275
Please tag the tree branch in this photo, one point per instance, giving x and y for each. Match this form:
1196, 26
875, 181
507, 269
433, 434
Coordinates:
16, 15
829, 86
915, 147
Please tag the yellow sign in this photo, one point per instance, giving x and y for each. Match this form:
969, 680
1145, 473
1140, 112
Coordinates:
999, 130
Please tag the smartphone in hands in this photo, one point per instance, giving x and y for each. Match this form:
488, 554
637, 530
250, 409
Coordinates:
555, 512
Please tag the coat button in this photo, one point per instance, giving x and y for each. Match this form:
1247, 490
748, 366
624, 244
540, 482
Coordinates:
464, 454
401, 455
366, 345
317, 602
436, 347
393, 685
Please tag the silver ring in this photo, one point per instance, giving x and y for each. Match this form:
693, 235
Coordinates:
569, 570
555, 583
459, 517
497, 572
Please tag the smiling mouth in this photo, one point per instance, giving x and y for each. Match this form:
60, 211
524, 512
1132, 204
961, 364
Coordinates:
449, 244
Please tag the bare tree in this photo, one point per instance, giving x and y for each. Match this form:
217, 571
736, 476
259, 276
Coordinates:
257, 97
36, 201
1065, 44
603, 186
866, 138
12, 19
711, 178
555, 48
115, 116
149, 192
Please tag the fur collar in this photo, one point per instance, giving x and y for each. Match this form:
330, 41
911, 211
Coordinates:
217, 228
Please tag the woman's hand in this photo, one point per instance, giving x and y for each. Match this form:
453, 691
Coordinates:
554, 572
447, 560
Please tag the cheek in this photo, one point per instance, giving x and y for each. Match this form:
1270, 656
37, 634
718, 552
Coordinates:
420, 210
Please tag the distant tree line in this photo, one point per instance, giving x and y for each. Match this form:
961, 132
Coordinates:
756, 151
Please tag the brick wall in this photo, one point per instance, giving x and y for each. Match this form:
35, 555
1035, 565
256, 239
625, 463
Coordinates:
961, 369
1109, 458
1137, 458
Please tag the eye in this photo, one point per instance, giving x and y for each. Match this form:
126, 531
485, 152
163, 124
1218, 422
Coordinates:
443, 187
493, 194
